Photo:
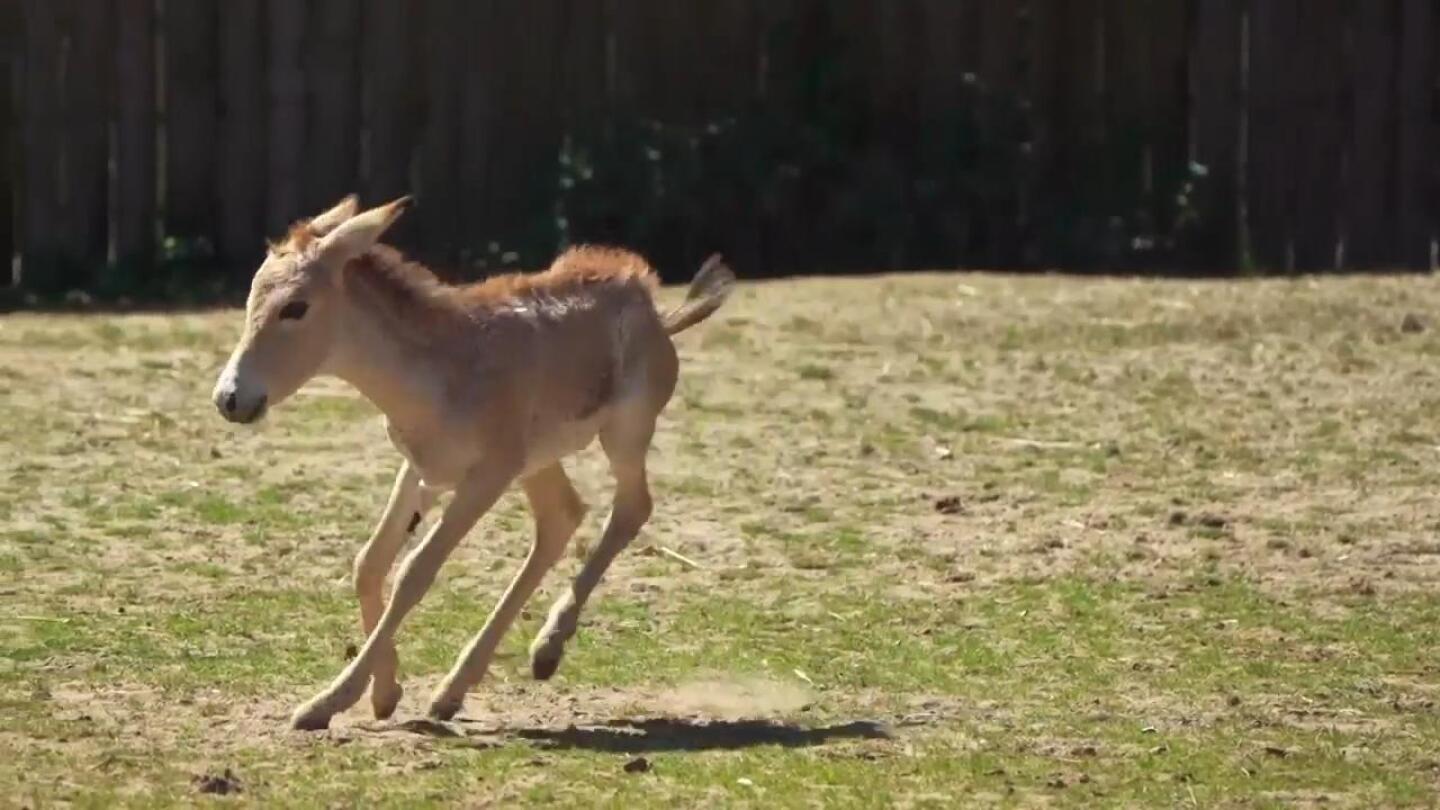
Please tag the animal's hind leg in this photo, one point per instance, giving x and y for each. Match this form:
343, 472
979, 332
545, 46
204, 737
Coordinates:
558, 511
626, 441
408, 503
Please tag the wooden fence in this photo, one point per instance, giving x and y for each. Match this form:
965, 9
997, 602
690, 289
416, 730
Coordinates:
135, 131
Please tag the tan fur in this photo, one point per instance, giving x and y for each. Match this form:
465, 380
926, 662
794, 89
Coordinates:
482, 385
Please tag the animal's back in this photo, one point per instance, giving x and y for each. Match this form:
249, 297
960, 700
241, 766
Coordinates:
580, 272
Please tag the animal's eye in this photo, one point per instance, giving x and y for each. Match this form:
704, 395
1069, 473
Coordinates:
294, 311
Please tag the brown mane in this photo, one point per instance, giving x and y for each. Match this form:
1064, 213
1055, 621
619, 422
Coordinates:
410, 286
297, 239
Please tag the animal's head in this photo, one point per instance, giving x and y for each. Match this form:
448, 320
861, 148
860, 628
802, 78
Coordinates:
294, 312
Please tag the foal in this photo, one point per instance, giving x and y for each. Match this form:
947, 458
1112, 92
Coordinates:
480, 385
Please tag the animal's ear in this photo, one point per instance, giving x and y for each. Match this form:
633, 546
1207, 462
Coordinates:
330, 220
359, 233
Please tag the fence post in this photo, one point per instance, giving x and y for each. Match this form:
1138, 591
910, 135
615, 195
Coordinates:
1370, 234
436, 214
391, 105
1272, 163
1317, 88
1417, 162
43, 140
332, 155
135, 133
9, 188
190, 115
286, 101
241, 166
1216, 115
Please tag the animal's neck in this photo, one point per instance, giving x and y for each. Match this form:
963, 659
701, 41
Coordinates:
392, 366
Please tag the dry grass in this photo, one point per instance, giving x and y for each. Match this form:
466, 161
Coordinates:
1028, 540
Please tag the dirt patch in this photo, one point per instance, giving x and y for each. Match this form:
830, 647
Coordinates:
735, 699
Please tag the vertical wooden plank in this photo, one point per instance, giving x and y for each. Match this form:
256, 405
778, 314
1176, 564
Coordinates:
1066, 50
725, 221
898, 70
43, 140
1144, 132
1371, 237
647, 71
725, 37
391, 106
1000, 57
1131, 124
1003, 71
674, 45
1319, 46
190, 118
1418, 134
947, 47
10, 44
437, 213
1430, 110
491, 73
286, 102
1273, 134
88, 80
241, 167
1164, 159
512, 208
585, 92
1215, 128
135, 134
791, 33
332, 154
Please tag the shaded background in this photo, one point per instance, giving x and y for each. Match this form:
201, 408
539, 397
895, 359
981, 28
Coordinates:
151, 145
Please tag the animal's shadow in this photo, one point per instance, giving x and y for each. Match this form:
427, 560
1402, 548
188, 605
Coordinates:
668, 734
671, 734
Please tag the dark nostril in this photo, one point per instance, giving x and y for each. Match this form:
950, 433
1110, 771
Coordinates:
230, 402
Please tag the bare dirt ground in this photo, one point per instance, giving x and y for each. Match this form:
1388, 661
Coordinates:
1024, 540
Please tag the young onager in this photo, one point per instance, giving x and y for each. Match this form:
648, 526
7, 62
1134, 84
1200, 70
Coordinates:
480, 385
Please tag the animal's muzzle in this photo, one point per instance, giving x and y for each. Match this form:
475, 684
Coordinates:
236, 407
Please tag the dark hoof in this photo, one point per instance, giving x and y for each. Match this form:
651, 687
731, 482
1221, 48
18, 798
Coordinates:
443, 712
385, 702
544, 668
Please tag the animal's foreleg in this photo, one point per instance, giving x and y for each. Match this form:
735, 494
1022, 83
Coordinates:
475, 495
408, 504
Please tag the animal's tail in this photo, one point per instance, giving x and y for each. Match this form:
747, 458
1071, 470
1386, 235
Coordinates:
709, 289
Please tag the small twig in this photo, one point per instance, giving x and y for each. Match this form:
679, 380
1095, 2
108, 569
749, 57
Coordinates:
41, 619
1040, 444
675, 555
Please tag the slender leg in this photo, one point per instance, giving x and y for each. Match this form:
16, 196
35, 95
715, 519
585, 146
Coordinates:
629, 511
557, 511
475, 495
407, 506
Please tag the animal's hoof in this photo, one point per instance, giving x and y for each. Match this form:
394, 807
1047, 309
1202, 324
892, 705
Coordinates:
384, 700
543, 667
443, 710
306, 718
